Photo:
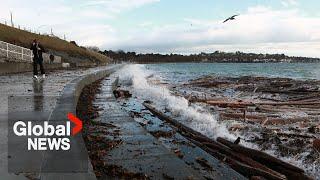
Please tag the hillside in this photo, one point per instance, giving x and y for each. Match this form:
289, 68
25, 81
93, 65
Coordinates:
68, 51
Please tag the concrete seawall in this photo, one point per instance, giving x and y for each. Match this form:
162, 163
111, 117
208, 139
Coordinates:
19, 67
19, 93
67, 103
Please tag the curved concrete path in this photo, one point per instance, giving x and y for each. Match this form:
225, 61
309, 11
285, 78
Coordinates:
12, 87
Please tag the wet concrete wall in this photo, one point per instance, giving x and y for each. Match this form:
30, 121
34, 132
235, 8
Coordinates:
18, 67
83, 64
67, 103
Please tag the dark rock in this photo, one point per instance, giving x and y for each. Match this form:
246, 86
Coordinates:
316, 144
118, 93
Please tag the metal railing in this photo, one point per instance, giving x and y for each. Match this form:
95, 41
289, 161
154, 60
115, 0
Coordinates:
14, 52
17, 53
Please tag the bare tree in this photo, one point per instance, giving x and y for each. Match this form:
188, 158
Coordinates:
93, 48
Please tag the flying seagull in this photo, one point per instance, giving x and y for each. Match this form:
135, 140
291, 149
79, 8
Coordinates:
231, 18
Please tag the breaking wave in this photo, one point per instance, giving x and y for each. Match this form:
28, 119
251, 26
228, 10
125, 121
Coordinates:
136, 76
137, 79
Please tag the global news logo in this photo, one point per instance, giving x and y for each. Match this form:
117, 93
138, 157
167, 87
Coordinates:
46, 136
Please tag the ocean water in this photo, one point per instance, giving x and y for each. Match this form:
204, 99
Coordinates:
136, 78
181, 72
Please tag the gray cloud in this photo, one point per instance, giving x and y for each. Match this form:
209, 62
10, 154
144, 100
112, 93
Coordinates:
259, 25
88, 23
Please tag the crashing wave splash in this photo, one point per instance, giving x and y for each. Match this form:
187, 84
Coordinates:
136, 77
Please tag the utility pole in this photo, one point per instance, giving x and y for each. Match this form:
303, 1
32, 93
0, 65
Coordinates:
11, 19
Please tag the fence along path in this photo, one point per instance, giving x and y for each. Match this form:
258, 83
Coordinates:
20, 54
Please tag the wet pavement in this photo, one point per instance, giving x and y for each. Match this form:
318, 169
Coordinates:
20, 93
139, 152
142, 153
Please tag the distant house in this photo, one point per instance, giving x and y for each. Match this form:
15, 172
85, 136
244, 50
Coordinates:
204, 60
74, 43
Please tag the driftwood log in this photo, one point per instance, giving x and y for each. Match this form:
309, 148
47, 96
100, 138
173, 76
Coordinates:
261, 119
276, 164
237, 160
119, 93
244, 104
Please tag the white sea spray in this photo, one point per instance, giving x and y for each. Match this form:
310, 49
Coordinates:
195, 116
137, 79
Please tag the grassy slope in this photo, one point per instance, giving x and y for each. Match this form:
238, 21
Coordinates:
24, 38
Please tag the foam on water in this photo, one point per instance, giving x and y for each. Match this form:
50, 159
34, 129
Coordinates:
195, 116
136, 78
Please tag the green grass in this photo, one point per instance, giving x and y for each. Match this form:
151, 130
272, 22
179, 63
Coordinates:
24, 38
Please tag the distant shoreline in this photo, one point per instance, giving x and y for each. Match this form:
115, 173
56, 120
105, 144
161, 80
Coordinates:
215, 57
229, 62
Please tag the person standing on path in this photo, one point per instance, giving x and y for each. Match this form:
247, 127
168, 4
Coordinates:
37, 50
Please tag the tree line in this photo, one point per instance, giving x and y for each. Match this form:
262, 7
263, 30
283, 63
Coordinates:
217, 56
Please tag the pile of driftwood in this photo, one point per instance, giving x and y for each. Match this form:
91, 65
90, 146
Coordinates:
120, 93
283, 114
262, 95
251, 163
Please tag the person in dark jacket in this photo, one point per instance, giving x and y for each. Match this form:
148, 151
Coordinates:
37, 50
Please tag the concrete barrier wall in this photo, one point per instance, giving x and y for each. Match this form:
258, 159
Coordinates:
67, 103
83, 64
46, 59
19, 67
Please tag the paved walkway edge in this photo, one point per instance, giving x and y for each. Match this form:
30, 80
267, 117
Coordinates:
66, 103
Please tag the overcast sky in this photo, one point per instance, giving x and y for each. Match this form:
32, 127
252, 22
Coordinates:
176, 26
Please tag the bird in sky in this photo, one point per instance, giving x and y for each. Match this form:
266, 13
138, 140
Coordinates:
231, 18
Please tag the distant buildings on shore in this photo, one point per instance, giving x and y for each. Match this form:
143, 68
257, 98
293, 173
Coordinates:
217, 56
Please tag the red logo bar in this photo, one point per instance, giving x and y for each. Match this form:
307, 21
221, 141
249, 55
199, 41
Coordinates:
77, 122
